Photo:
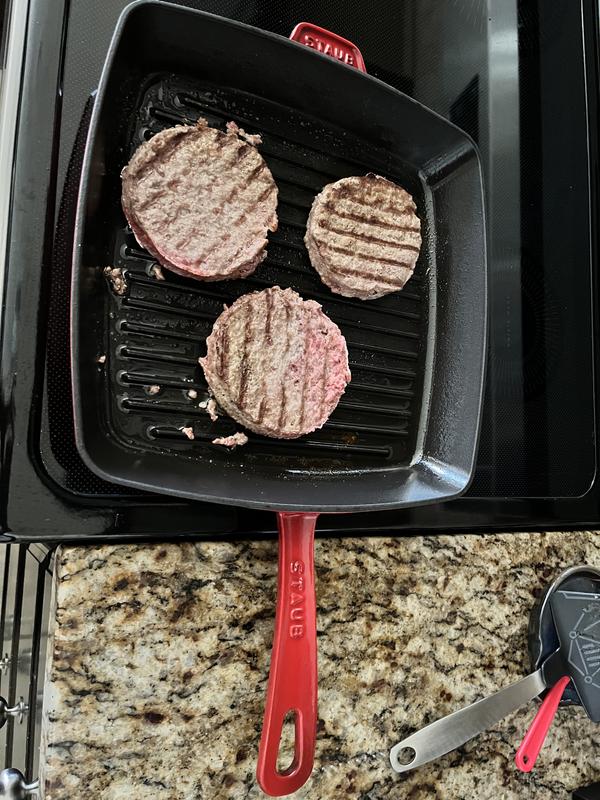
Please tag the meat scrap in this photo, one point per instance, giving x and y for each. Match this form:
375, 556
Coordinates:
252, 138
116, 279
211, 407
154, 389
157, 272
235, 440
189, 432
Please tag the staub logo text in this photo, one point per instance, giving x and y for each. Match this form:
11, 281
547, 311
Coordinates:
335, 50
296, 610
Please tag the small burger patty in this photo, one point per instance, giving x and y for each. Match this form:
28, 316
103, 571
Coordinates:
363, 236
201, 201
276, 363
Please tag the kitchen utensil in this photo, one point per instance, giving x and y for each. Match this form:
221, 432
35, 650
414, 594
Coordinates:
405, 433
535, 737
543, 639
576, 616
450, 732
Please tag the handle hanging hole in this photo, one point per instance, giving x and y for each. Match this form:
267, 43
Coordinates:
406, 756
286, 757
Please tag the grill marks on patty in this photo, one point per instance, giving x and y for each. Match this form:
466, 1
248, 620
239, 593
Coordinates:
363, 236
276, 363
201, 201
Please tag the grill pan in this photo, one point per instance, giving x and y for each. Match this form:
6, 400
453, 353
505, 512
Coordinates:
406, 430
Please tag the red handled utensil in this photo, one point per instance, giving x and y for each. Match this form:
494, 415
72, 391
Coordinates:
564, 626
535, 737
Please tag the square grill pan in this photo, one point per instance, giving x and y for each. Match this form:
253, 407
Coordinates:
405, 431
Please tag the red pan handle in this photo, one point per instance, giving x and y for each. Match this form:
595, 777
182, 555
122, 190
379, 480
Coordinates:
331, 44
293, 674
534, 738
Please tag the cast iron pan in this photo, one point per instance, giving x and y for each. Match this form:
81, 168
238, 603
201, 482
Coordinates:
405, 432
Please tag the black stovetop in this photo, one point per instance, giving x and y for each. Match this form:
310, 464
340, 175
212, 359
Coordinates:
522, 81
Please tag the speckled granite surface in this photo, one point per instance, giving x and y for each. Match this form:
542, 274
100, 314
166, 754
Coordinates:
160, 658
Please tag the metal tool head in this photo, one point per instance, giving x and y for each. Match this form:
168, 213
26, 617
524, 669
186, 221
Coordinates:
543, 635
576, 614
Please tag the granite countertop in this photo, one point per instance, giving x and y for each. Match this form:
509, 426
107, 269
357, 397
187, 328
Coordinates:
160, 654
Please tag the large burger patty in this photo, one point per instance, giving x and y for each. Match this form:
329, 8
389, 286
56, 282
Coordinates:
201, 201
363, 236
276, 363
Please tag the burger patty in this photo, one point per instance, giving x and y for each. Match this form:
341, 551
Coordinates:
201, 201
276, 363
363, 236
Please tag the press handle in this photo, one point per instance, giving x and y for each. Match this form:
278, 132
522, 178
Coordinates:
328, 43
292, 684
536, 735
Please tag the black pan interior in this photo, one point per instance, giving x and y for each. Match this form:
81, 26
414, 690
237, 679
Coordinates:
158, 328
153, 334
